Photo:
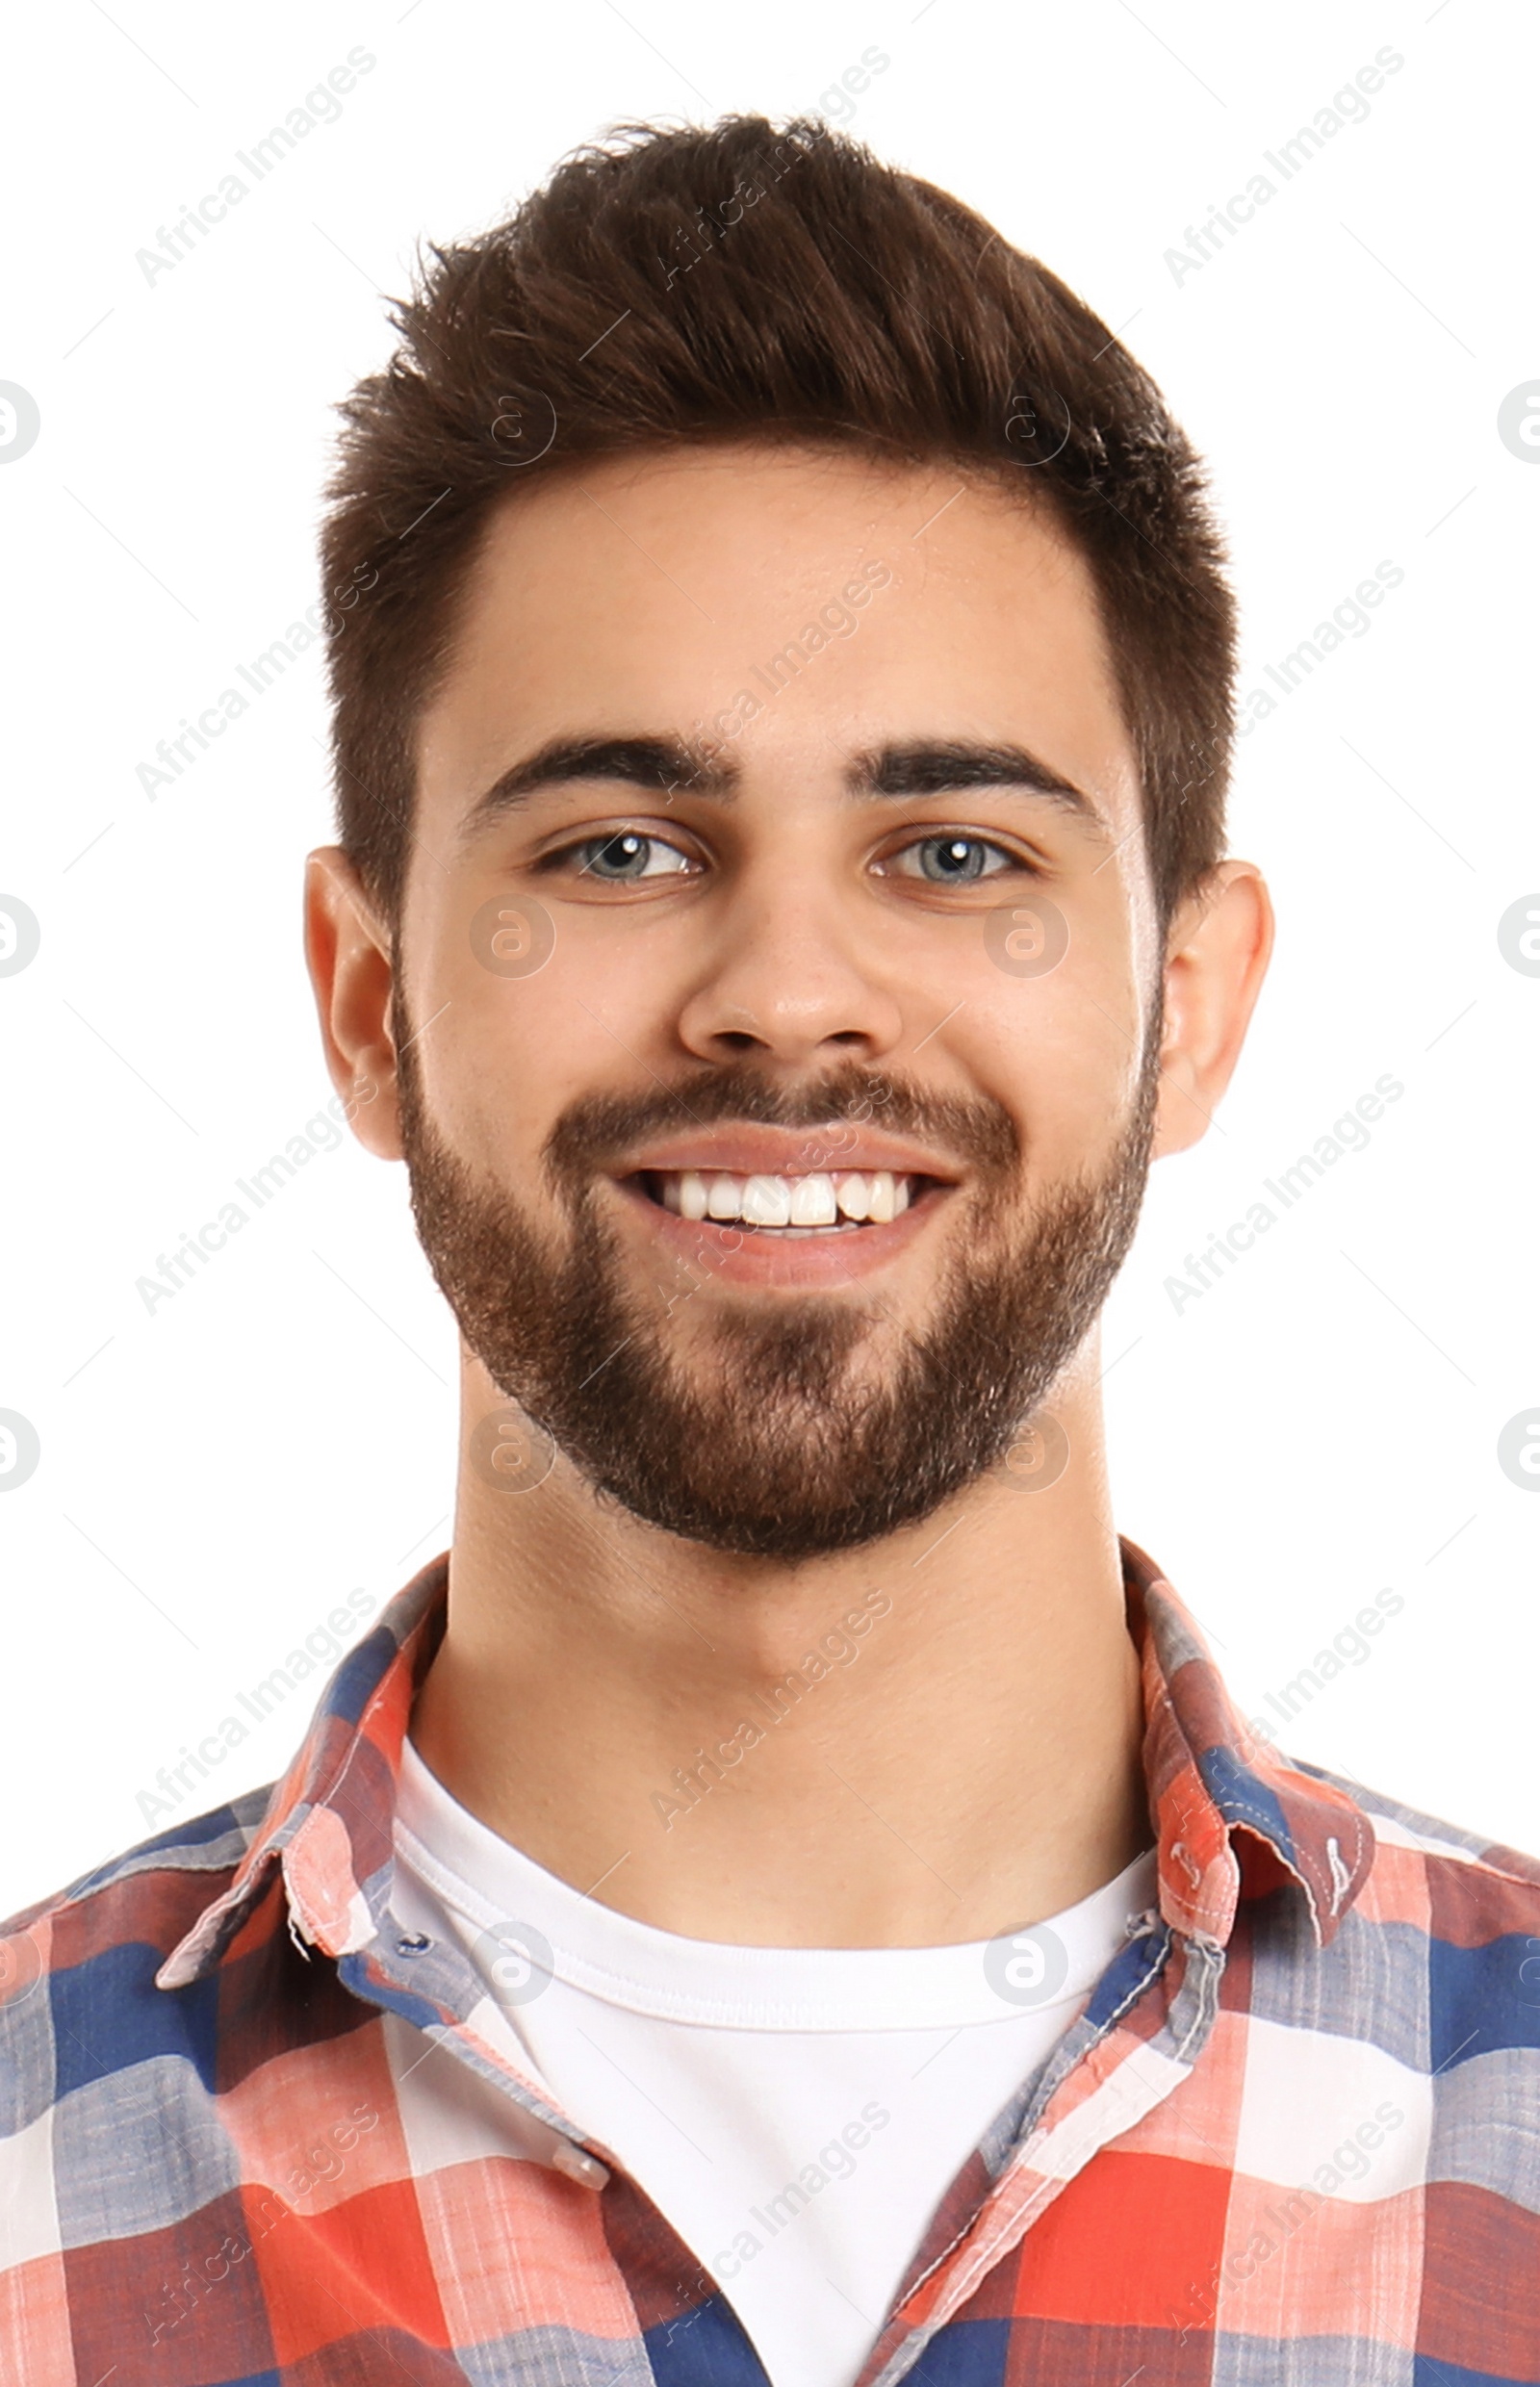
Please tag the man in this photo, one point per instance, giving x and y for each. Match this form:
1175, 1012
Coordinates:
784, 1896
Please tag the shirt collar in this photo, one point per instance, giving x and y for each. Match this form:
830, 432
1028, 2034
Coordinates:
1231, 1819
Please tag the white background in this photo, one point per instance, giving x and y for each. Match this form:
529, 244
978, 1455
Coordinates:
1322, 1424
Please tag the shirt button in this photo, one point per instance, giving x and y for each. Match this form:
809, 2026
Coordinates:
574, 2165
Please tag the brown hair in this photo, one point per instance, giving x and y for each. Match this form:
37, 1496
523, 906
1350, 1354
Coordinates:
740, 281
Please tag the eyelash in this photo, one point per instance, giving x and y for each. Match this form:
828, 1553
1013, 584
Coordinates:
583, 851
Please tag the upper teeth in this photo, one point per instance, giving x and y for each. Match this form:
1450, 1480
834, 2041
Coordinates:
877, 1194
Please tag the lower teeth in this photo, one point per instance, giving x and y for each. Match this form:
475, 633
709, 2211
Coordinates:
840, 1226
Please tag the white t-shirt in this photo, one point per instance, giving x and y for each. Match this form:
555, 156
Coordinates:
797, 2113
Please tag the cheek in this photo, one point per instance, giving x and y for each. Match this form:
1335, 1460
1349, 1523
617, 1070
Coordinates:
505, 1056
1067, 1121
1061, 1052
1068, 1080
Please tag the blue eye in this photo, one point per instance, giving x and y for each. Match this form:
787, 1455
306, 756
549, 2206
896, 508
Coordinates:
949, 860
630, 854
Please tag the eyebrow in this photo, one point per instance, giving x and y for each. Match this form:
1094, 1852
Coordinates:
930, 767
667, 766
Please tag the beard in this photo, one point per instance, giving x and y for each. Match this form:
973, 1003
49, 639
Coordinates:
773, 1444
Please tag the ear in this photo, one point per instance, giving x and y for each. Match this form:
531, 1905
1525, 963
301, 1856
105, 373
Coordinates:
348, 950
1216, 957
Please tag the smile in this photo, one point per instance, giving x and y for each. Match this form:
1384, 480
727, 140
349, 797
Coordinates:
805, 1210
821, 1201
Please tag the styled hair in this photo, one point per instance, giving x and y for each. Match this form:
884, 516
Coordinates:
671, 287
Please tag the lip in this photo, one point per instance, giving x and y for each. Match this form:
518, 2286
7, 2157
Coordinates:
748, 1151
731, 1254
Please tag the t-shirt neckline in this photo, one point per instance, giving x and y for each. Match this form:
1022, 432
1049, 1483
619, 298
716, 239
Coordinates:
495, 1889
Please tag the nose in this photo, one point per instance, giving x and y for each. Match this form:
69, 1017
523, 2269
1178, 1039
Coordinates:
793, 979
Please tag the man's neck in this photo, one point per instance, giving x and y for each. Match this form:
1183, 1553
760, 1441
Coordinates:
931, 1740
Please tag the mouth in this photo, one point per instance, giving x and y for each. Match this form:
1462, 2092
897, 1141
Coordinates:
819, 1202
795, 1211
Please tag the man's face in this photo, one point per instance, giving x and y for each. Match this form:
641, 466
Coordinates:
813, 899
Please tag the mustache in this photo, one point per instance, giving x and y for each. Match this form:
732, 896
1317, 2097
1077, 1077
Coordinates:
597, 1131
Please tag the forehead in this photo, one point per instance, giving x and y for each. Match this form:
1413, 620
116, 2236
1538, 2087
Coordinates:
647, 594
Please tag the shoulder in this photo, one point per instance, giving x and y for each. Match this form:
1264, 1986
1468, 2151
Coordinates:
1437, 1963
101, 1940
194, 1852
1470, 1866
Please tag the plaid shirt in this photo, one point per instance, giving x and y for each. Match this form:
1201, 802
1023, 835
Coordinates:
254, 2134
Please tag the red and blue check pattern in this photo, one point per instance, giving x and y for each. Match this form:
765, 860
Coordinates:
252, 2134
